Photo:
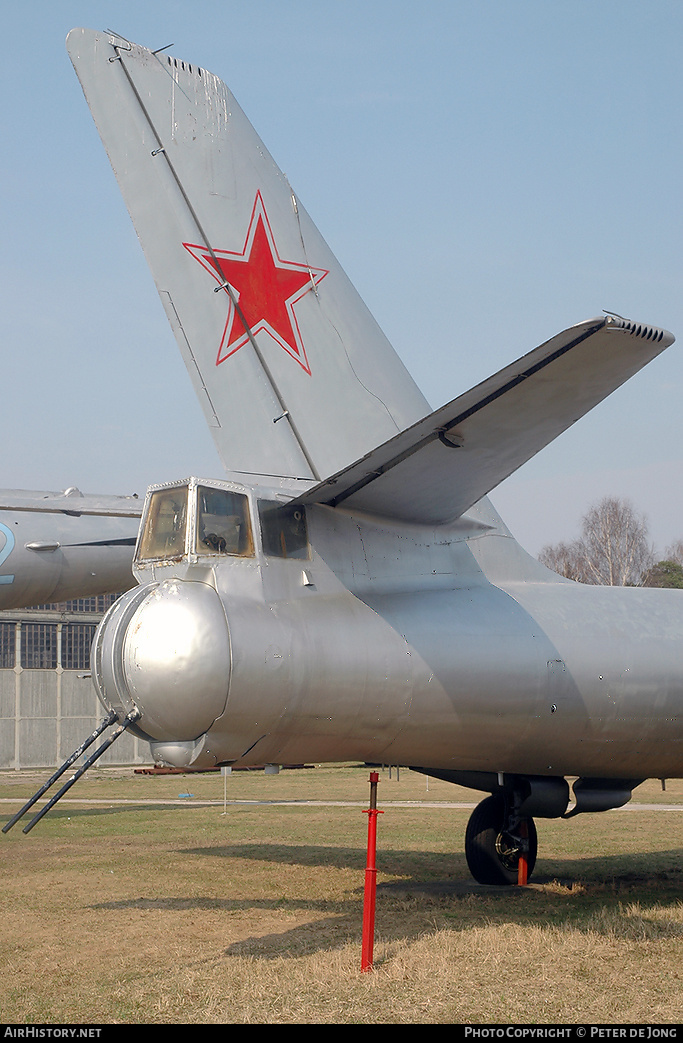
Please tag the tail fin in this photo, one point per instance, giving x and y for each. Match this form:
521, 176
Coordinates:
295, 377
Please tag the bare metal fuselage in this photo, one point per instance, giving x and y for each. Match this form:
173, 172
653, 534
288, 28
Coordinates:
58, 546
447, 648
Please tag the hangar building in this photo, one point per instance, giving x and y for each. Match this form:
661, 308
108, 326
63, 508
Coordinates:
48, 704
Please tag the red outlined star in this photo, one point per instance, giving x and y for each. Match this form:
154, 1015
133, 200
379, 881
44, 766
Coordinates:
265, 286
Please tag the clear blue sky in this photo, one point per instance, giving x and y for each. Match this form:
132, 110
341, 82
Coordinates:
487, 172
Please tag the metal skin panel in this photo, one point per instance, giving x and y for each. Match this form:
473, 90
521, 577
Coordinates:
399, 668
49, 555
519, 695
106, 652
72, 501
439, 468
165, 649
326, 674
179, 624
212, 186
539, 678
621, 650
446, 647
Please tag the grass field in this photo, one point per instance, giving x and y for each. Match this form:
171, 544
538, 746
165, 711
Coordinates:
140, 905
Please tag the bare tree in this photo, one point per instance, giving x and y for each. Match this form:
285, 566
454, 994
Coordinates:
615, 538
675, 552
613, 548
566, 559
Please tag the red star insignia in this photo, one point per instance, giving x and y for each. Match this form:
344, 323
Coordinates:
265, 286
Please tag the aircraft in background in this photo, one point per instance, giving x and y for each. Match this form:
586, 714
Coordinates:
59, 546
347, 592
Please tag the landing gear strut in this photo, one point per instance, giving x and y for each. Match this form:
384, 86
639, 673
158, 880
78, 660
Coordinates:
497, 837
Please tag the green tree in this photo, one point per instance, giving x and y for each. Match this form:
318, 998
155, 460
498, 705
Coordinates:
665, 573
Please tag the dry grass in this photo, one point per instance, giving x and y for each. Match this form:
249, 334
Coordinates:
178, 913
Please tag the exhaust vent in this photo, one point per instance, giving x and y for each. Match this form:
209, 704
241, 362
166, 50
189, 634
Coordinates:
636, 329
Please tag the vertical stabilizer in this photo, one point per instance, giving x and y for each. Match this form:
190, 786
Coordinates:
295, 377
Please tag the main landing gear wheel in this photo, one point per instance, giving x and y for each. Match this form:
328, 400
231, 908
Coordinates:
495, 840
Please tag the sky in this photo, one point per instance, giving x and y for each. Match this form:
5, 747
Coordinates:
488, 173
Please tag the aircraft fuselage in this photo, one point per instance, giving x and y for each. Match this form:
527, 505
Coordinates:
397, 644
59, 546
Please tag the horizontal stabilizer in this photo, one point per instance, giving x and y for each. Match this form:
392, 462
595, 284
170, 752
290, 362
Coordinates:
71, 501
441, 466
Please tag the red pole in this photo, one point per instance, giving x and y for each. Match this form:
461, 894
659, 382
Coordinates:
370, 878
523, 864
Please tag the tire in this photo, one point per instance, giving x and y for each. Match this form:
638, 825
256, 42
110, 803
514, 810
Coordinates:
492, 853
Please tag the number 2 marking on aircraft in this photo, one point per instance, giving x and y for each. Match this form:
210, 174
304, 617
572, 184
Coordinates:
6, 551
